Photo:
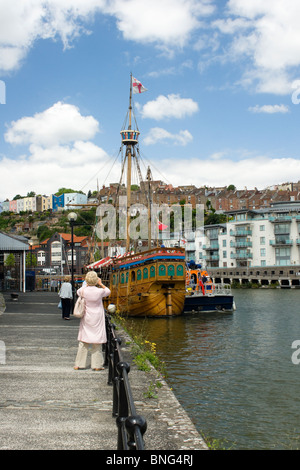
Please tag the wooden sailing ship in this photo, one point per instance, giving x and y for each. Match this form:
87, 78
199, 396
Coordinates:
152, 282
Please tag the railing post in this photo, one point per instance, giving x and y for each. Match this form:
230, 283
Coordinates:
122, 439
122, 368
131, 427
136, 426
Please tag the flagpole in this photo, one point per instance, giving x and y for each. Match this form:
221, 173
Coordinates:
130, 102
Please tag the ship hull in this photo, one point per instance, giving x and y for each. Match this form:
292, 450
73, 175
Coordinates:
151, 284
206, 303
160, 302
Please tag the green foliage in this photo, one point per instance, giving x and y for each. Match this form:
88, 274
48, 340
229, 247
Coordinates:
44, 232
10, 260
67, 190
31, 260
213, 218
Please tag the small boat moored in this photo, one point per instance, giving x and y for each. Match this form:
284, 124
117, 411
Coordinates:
202, 295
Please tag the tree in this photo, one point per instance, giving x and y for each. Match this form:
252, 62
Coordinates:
231, 187
31, 260
44, 232
10, 260
67, 190
213, 219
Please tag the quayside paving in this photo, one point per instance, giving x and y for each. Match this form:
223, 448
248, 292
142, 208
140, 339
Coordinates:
46, 405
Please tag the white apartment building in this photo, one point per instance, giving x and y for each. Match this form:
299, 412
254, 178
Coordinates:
263, 237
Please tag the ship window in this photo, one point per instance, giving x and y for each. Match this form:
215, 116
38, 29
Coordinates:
152, 271
179, 270
122, 278
132, 276
114, 279
145, 273
139, 275
162, 270
171, 270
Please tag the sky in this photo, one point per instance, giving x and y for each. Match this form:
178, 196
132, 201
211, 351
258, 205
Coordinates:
222, 104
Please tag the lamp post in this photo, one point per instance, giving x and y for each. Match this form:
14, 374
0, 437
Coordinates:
30, 244
72, 216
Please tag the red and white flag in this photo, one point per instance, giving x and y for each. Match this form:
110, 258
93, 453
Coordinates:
161, 226
137, 87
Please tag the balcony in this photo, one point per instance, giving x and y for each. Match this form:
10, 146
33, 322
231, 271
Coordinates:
281, 242
214, 246
211, 257
190, 246
241, 256
241, 244
241, 233
278, 219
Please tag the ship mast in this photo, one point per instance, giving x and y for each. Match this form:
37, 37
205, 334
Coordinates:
130, 140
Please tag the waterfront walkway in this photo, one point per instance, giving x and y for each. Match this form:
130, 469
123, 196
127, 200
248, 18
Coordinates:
46, 404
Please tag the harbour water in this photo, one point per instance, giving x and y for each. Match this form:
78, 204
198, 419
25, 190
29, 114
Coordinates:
233, 373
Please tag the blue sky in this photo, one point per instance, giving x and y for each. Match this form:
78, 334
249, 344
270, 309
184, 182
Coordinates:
223, 81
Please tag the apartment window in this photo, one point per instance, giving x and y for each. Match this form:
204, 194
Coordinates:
282, 228
283, 256
55, 252
224, 243
262, 252
70, 256
263, 262
224, 254
262, 240
262, 228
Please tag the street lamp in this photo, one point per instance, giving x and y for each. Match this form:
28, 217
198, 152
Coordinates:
72, 216
30, 244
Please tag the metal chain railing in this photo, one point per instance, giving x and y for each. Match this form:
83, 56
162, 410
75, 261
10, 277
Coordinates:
131, 427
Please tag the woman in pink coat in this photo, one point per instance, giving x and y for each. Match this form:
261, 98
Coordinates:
92, 326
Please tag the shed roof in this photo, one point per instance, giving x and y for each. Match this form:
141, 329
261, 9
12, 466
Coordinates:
12, 243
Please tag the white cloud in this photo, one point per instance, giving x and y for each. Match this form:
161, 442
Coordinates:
168, 23
268, 34
158, 135
60, 124
22, 23
46, 170
60, 153
226, 171
171, 106
270, 109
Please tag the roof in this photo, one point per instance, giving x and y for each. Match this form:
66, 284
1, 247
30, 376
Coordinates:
13, 243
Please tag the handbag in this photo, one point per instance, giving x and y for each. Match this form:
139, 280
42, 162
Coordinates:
59, 304
79, 307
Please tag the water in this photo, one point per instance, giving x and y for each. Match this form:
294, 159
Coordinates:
233, 373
